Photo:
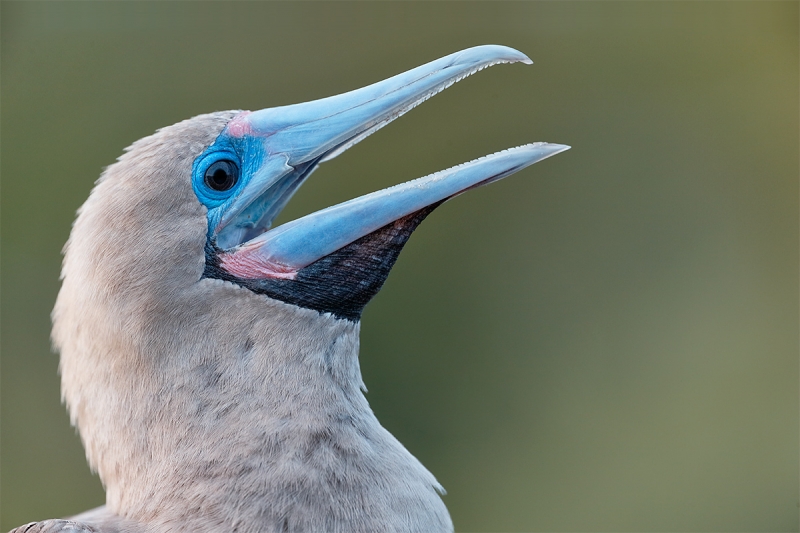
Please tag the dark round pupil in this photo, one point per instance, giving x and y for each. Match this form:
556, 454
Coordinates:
221, 175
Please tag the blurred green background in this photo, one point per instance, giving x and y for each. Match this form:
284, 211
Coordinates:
606, 341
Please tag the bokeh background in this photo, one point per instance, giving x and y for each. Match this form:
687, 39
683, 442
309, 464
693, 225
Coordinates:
607, 340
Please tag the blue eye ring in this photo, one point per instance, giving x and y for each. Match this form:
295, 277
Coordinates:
216, 176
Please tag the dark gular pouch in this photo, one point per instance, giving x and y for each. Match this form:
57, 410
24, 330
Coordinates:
340, 283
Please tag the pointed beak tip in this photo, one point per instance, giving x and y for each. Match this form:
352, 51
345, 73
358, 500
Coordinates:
490, 54
535, 152
555, 149
513, 55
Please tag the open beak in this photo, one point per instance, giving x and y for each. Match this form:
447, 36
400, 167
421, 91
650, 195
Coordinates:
281, 146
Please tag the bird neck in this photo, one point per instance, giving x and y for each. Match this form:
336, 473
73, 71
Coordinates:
233, 410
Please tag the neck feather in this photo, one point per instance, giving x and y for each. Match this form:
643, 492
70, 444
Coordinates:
232, 410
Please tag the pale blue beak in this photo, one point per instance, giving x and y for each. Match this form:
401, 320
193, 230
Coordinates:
287, 143
283, 251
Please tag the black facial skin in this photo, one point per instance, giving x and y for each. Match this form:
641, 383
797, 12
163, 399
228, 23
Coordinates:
341, 283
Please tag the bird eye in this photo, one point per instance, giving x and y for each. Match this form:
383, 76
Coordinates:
221, 175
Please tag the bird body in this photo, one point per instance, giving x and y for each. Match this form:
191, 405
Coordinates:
214, 390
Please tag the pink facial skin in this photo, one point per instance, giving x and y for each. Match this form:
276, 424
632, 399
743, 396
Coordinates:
249, 264
239, 127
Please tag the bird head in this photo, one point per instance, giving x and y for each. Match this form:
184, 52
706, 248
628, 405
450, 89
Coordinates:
185, 315
334, 260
